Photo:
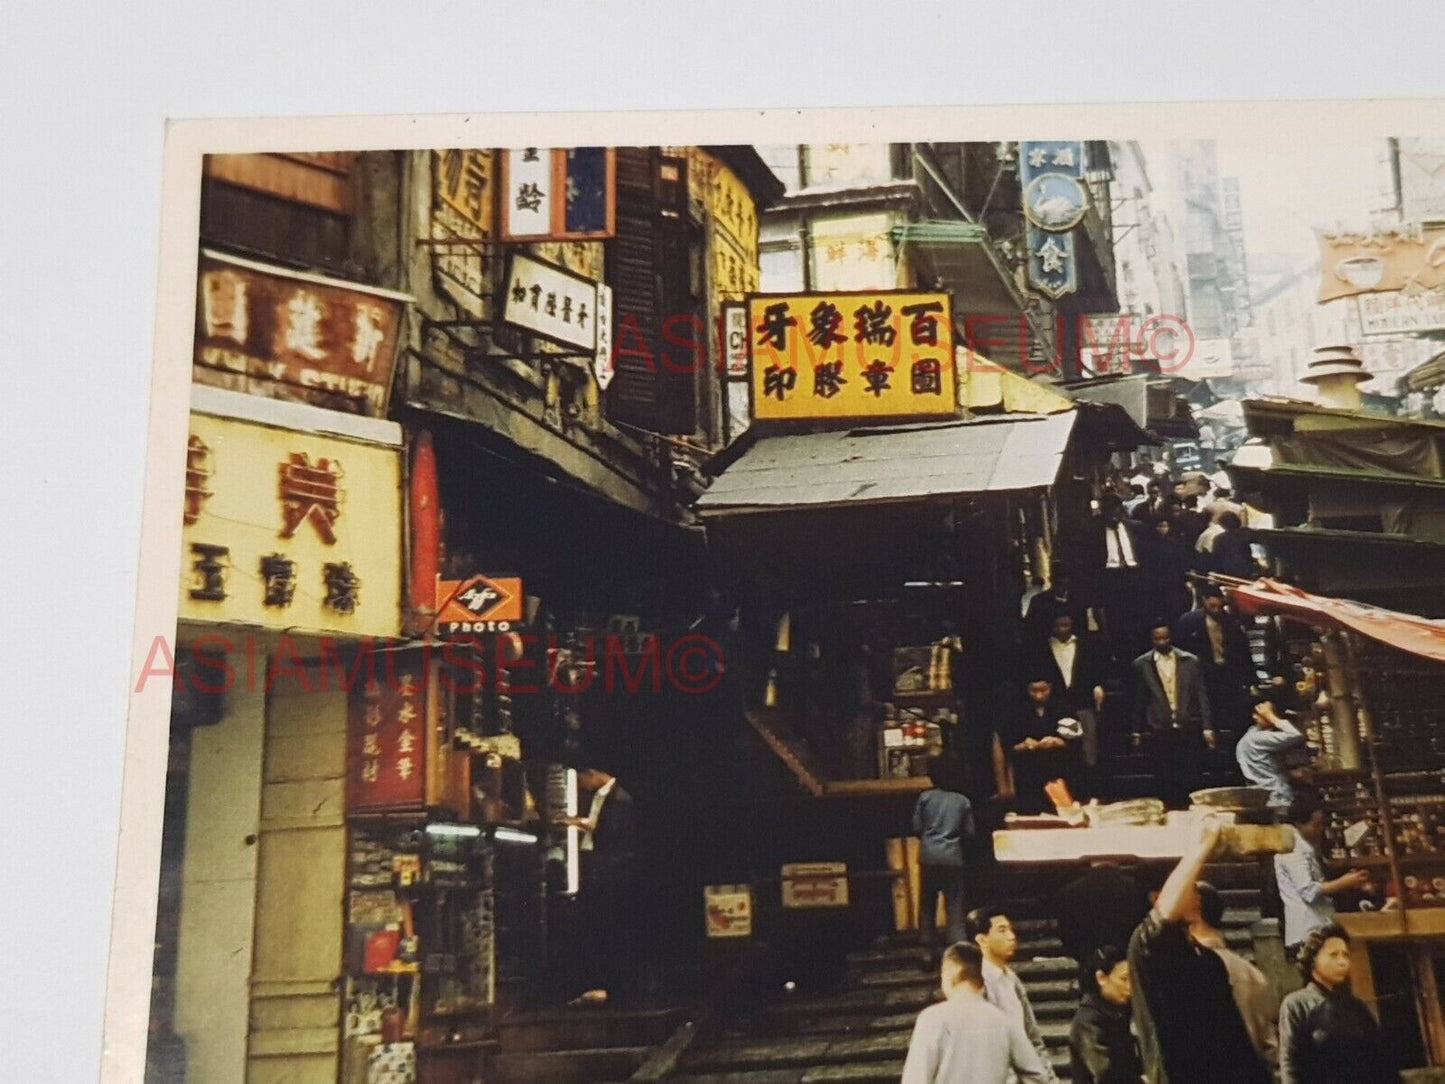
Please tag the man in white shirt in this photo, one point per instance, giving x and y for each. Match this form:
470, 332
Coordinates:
966, 1040
1122, 585
993, 933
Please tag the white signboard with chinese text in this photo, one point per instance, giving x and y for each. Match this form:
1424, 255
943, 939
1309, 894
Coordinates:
529, 192
603, 367
735, 342
1396, 313
552, 302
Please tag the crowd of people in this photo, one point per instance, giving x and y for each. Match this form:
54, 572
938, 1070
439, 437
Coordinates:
1165, 1000
1134, 612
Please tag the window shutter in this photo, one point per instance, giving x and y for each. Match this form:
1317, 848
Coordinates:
648, 270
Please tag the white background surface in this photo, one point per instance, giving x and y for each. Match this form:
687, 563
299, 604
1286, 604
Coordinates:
87, 89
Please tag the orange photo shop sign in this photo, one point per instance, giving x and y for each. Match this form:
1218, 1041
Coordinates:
479, 604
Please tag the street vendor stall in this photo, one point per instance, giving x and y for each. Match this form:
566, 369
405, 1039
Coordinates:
1378, 678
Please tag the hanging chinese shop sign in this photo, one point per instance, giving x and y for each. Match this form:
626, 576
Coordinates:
268, 331
878, 354
555, 194
386, 736
552, 302
1054, 202
290, 530
1409, 259
479, 604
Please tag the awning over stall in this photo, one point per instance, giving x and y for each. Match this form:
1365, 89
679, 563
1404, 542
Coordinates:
892, 464
1402, 631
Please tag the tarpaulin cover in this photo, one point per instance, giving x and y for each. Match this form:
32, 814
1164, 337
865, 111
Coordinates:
1404, 632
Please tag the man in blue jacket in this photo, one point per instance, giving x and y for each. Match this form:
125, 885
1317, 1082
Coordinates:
942, 820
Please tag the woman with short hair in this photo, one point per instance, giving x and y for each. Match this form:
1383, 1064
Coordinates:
1326, 1034
1101, 1046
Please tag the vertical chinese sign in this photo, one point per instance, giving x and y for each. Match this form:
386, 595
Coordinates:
1055, 201
386, 724
272, 332
844, 356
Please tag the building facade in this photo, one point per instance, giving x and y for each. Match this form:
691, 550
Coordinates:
423, 380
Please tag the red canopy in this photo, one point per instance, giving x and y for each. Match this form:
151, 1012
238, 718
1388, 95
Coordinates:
1405, 632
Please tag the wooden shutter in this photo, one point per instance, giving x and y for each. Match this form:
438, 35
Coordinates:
644, 264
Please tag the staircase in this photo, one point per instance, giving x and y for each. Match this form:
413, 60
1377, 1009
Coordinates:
578, 1046
859, 1033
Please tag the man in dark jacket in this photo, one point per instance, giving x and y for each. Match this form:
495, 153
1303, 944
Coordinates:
1076, 667
1190, 1030
1231, 554
1214, 636
1171, 708
1117, 562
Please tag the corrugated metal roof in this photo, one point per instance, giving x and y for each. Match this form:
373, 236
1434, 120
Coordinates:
865, 466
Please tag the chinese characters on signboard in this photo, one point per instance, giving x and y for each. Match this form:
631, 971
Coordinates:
463, 208
551, 302
266, 331
865, 355
386, 737
552, 194
1054, 201
1396, 313
271, 538
603, 366
1408, 259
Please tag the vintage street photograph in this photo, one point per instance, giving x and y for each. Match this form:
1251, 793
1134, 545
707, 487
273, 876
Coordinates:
695, 601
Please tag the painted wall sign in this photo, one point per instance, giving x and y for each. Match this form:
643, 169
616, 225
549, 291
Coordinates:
268, 331
272, 540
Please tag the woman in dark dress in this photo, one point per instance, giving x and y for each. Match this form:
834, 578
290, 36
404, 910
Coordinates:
1101, 1046
1326, 1034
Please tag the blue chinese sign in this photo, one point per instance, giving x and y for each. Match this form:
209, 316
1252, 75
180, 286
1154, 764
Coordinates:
1054, 201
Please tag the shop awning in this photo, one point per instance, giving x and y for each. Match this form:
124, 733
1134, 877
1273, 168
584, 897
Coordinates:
892, 464
1402, 631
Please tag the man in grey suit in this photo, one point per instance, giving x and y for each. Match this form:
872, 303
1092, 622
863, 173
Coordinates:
1172, 708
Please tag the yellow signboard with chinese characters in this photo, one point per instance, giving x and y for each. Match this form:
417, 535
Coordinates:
843, 356
290, 530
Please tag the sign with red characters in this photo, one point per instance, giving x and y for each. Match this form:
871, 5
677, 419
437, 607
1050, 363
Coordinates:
386, 737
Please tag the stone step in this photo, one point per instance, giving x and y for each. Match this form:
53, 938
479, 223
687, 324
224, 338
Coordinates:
882, 1045
585, 1028
567, 1066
